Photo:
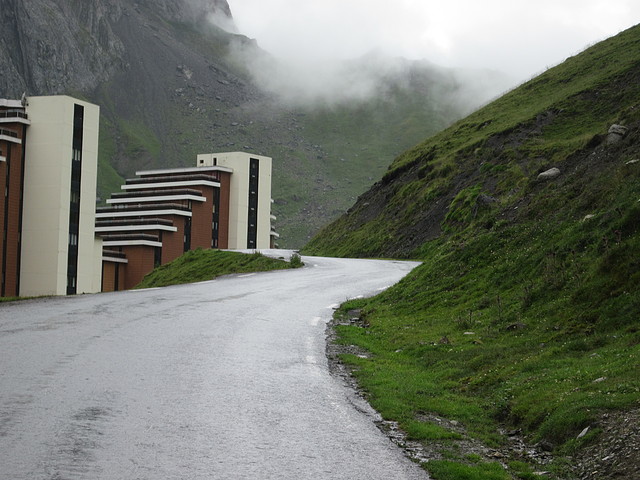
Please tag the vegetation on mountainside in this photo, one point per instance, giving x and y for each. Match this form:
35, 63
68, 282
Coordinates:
524, 314
200, 265
165, 109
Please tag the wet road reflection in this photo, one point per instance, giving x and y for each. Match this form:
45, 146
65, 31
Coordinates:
221, 379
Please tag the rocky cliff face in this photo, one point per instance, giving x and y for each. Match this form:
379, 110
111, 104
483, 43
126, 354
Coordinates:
54, 46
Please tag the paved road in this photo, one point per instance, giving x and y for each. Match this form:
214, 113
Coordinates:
224, 379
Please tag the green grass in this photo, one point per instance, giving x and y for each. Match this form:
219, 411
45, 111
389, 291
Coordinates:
16, 299
524, 313
521, 351
140, 139
201, 265
448, 470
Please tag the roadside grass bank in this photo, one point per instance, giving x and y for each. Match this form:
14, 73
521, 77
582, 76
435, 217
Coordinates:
201, 265
524, 332
17, 299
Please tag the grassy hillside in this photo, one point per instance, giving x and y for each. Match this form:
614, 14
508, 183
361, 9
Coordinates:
200, 265
524, 316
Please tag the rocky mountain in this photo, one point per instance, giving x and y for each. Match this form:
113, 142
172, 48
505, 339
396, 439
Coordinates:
173, 79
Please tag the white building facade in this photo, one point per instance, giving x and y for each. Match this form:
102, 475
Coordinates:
60, 252
249, 200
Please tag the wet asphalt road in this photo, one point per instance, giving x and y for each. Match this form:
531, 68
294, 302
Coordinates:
224, 379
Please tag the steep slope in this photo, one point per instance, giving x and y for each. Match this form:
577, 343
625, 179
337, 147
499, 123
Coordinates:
498, 151
520, 330
171, 83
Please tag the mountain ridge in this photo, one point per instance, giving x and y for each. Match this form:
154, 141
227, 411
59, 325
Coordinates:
174, 79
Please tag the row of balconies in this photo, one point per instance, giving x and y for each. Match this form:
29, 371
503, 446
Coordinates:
10, 135
14, 116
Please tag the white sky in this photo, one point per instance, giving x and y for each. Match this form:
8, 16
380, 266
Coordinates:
518, 37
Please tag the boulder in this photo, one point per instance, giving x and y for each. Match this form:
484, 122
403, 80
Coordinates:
484, 199
616, 133
549, 174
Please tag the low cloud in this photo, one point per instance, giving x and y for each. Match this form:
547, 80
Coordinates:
314, 82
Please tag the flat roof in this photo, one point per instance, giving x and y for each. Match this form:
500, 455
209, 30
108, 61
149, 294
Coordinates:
171, 184
130, 243
5, 102
115, 201
217, 168
135, 228
108, 258
142, 213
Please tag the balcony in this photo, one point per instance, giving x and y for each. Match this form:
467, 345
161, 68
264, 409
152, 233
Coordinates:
14, 116
10, 136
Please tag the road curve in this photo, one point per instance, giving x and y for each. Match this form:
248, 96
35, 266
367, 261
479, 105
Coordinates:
225, 379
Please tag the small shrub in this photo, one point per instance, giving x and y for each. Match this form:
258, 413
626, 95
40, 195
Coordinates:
296, 261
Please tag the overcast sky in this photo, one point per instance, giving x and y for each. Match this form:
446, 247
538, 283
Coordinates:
518, 37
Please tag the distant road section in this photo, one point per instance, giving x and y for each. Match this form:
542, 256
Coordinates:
225, 379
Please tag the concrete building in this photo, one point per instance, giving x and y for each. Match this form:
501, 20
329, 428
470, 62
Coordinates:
249, 197
223, 202
50, 149
49, 222
13, 130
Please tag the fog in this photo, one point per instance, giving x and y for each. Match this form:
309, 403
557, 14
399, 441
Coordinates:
517, 37
330, 82
334, 51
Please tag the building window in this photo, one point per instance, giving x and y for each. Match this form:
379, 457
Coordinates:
215, 218
74, 199
252, 231
187, 234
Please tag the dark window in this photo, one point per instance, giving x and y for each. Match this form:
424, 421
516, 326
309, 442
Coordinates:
6, 222
215, 218
74, 199
157, 257
116, 279
252, 230
187, 234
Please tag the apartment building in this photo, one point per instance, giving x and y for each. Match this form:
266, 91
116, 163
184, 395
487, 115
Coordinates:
222, 202
13, 129
53, 240
48, 166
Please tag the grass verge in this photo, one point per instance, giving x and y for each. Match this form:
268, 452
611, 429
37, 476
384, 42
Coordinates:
200, 265
529, 327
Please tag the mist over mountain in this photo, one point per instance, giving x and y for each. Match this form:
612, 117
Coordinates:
173, 79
